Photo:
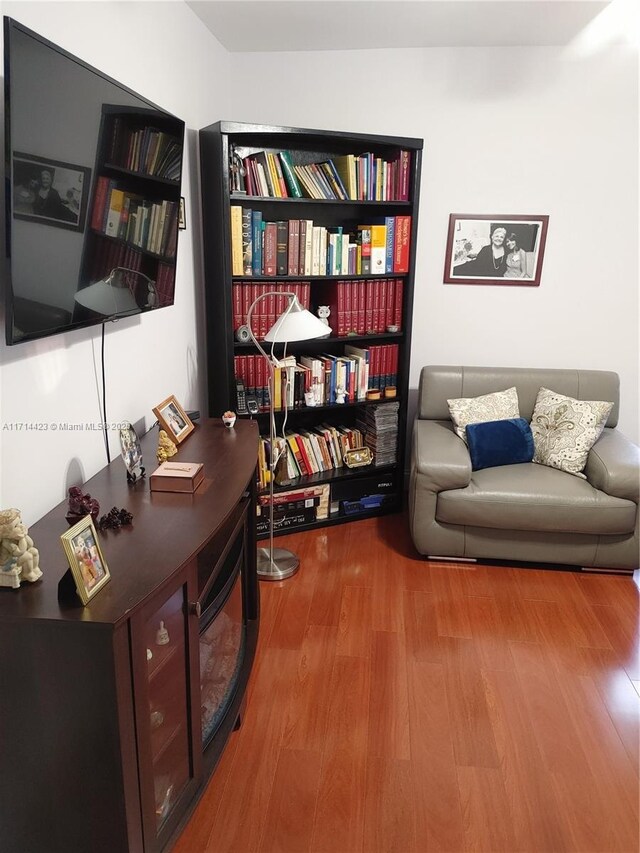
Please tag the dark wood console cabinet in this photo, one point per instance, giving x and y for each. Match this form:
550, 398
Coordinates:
108, 736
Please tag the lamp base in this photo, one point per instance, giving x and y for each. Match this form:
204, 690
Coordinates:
283, 565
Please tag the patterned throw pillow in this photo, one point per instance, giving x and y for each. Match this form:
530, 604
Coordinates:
498, 406
564, 430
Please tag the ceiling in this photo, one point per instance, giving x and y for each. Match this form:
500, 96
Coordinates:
288, 25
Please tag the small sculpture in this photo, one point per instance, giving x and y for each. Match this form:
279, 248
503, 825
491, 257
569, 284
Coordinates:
166, 447
81, 505
162, 635
19, 558
229, 419
341, 394
323, 313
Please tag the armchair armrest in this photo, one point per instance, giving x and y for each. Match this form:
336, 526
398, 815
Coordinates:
439, 456
613, 466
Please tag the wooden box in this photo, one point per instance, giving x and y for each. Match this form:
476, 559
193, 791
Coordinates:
177, 477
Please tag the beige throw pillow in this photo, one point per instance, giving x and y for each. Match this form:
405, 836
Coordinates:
564, 430
498, 406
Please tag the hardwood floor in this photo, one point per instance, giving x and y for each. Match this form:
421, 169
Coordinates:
402, 705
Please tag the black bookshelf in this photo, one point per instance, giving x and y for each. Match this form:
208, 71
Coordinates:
217, 143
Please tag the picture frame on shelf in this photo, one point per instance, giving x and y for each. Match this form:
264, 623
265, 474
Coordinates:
495, 249
49, 191
173, 419
86, 560
131, 453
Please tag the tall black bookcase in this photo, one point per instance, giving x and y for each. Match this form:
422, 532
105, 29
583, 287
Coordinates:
226, 150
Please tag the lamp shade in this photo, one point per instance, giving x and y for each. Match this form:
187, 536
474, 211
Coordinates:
296, 324
107, 299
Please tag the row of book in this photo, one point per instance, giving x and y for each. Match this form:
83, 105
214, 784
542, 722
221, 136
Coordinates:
322, 380
293, 508
363, 307
108, 255
147, 150
265, 313
349, 177
299, 247
151, 226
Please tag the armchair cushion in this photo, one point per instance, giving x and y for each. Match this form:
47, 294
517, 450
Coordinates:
565, 429
486, 407
504, 442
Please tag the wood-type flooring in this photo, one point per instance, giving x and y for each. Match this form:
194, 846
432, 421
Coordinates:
402, 706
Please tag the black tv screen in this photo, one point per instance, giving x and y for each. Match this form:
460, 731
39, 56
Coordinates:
93, 174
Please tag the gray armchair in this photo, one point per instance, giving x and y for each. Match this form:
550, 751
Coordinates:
527, 512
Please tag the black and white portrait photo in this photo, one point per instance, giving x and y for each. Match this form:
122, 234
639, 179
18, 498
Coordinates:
49, 191
494, 249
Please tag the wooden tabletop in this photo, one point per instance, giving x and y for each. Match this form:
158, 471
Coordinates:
168, 528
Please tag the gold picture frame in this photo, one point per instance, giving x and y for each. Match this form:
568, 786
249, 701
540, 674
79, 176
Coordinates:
173, 419
86, 560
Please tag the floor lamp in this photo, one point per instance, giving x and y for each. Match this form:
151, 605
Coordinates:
294, 324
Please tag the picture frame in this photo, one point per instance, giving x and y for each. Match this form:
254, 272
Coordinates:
182, 215
173, 419
86, 560
495, 249
131, 453
50, 192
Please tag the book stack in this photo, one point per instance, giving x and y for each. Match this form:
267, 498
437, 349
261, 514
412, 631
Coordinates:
244, 294
363, 307
380, 427
147, 150
293, 508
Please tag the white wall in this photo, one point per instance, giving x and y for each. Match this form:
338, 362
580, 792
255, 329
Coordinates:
506, 131
162, 51
517, 130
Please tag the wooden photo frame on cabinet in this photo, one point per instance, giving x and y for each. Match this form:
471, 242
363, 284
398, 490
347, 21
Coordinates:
86, 561
173, 419
495, 249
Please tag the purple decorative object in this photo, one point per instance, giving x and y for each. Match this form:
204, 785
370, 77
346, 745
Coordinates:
81, 505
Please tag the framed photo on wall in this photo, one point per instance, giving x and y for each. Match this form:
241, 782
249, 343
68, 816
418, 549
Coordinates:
495, 249
49, 191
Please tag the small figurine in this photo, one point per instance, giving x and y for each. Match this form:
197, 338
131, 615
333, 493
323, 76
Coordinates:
310, 399
323, 313
166, 447
229, 419
341, 394
19, 558
81, 505
162, 636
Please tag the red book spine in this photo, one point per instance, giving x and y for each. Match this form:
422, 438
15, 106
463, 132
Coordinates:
339, 325
369, 306
271, 308
374, 361
236, 291
397, 315
401, 247
403, 178
362, 299
251, 374
305, 298
347, 306
382, 323
260, 383
375, 322
391, 303
270, 247
303, 451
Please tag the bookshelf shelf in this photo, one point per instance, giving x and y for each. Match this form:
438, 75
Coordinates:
384, 173
111, 167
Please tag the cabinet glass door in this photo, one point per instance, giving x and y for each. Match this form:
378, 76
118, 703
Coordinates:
168, 765
167, 703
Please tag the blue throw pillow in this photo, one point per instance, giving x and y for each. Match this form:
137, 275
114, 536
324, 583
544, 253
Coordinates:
496, 443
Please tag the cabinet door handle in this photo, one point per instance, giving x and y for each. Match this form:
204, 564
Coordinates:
195, 608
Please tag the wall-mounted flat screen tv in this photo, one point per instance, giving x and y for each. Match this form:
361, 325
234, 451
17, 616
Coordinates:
93, 174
